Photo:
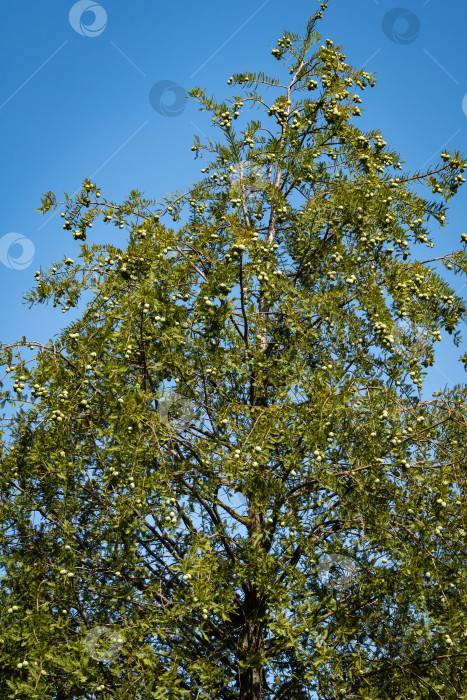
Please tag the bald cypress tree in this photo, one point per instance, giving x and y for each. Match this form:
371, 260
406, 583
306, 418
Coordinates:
289, 521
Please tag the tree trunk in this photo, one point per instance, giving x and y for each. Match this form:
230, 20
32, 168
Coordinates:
250, 684
251, 641
248, 621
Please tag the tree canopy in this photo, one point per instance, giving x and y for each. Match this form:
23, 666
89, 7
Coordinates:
290, 522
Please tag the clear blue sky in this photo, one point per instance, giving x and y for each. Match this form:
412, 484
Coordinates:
75, 103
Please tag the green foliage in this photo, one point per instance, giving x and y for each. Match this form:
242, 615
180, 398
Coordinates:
275, 310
